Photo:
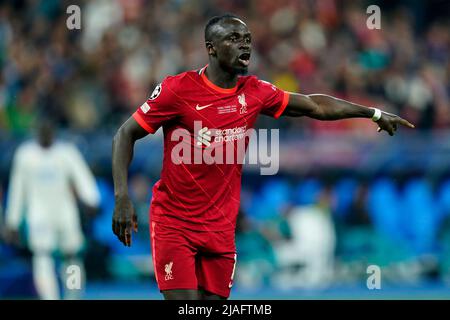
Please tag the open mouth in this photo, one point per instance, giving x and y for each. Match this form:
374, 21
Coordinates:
244, 59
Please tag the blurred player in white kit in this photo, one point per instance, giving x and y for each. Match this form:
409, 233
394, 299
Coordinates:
44, 176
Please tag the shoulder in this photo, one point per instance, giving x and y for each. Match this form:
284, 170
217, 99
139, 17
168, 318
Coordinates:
63, 145
65, 148
255, 83
185, 84
25, 152
173, 85
181, 79
26, 148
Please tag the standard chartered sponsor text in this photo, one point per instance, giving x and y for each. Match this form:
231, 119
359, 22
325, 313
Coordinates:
227, 146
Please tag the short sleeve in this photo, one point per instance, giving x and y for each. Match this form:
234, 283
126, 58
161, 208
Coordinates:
159, 108
274, 99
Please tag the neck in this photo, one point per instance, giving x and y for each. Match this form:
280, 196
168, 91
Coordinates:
220, 77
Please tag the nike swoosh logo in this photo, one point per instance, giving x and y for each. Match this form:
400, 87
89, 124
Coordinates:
197, 107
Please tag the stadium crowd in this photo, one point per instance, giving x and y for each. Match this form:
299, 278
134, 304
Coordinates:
92, 77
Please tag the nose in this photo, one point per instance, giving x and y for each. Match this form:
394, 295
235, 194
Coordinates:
245, 46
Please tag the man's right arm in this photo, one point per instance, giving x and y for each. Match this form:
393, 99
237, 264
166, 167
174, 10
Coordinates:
16, 198
124, 217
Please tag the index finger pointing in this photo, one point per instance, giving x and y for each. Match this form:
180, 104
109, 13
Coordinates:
128, 234
405, 123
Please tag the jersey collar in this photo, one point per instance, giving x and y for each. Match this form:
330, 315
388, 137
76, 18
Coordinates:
212, 85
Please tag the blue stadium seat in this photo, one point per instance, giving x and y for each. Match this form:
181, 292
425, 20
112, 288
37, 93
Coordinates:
443, 200
307, 192
384, 208
344, 191
420, 215
102, 223
273, 197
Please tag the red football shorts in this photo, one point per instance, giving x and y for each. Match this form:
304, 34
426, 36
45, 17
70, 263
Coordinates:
185, 259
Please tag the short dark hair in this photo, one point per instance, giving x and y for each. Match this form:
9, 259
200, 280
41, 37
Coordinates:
215, 20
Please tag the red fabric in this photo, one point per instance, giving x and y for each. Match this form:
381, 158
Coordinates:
203, 196
193, 259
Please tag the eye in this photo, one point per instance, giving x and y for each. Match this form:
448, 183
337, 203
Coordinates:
233, 38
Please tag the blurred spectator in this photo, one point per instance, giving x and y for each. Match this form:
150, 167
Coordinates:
306, 260
97, 75
358, 213
44, 176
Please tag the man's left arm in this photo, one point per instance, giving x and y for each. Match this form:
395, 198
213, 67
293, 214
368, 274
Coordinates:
325, 107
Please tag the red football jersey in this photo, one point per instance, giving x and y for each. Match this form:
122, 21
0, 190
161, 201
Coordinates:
196, 115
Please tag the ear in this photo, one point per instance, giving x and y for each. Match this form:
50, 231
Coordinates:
210, 48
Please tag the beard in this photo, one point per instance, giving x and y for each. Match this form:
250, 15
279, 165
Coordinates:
242, 71
238, 69
234, 68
